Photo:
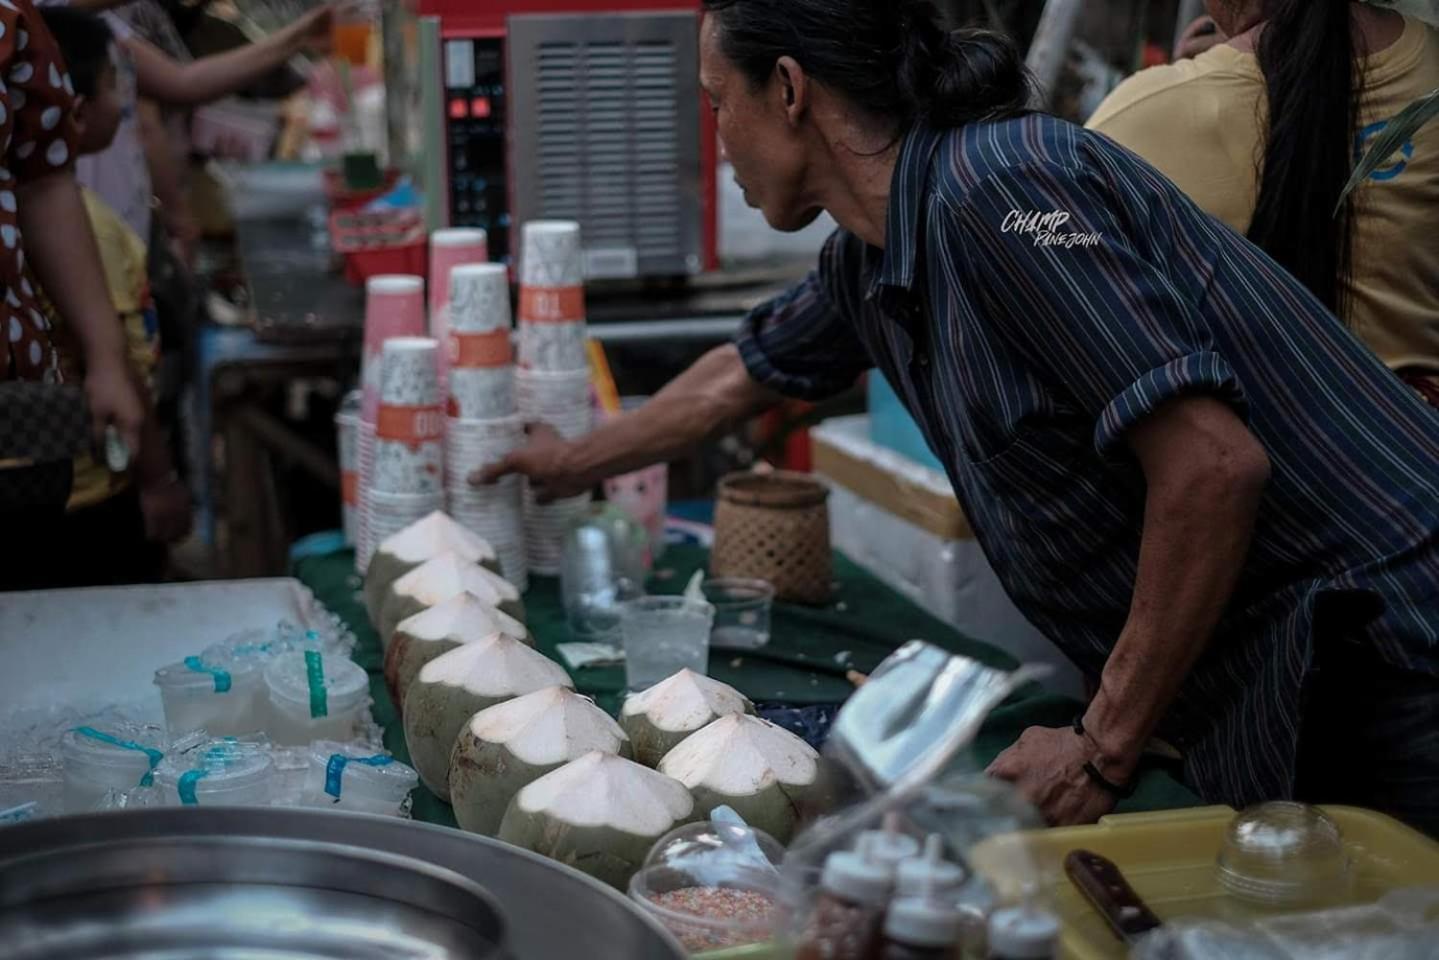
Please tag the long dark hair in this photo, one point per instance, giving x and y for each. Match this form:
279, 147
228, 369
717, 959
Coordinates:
890, 58
1314, 78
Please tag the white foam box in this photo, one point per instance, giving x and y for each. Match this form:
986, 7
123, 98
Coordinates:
901, 521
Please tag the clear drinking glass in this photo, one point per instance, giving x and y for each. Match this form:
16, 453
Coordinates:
603, 565
742, 611
662, 636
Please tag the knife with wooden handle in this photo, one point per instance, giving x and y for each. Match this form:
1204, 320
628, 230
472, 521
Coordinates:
1106, 889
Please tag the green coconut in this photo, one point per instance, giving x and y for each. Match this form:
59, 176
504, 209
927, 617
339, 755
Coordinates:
455, 686
600, 814
429, 633
772, 778
437, 580
657, 719
422, 540
508, 746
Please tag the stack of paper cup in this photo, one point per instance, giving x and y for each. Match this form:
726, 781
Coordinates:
494, 511
552, 297
347, 428
483, 427
482, 381
450, 249
409, 439
552, 382
394, 307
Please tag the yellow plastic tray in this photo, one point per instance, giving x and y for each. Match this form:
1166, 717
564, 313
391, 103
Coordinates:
1169, 856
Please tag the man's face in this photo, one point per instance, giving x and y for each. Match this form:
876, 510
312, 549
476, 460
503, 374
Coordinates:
99, 115
760, 138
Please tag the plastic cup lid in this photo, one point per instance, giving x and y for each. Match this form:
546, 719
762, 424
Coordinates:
217, 673
215, 767
117, 745
345, 768
322, 684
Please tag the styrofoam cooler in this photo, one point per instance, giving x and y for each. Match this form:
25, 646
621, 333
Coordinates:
551, 315
449, 249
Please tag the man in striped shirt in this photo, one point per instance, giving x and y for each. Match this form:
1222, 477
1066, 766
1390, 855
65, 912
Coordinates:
1185, 472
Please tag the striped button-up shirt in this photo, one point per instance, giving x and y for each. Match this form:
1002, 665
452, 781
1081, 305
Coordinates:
1040, 292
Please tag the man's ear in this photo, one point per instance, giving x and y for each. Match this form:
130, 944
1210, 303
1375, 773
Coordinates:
793, 87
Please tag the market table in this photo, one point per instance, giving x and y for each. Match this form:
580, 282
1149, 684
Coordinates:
804, 664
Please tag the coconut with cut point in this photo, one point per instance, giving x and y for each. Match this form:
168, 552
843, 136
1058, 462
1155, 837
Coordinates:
429, 633
437, 580
600, 814
772, 778
510, 745
455, 686
657, 719
422, 540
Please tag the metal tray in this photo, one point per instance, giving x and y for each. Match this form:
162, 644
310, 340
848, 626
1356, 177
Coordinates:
546, 910
231, 897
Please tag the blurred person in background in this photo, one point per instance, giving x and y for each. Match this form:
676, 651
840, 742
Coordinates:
43, 224
1263, 131
116, 524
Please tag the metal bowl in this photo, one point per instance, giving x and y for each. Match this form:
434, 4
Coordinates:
223, 884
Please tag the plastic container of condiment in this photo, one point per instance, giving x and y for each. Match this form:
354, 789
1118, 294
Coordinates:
929, 873
219, 773
314, 697
1023, 933
714, 885
855, 887
921, 928
890, 845
120, 758
212, 692
344, 778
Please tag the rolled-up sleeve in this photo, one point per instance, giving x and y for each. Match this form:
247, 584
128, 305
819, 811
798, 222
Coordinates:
803, 343
1099, 323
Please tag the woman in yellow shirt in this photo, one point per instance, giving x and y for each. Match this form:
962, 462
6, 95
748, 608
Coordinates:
1331, 74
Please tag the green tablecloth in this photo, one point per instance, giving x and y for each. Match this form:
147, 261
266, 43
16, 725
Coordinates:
805, 662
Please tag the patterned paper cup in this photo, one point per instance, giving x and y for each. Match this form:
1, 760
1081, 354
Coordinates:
550, 254
480, 298
481, 394
552, 347
394, 307
408, 375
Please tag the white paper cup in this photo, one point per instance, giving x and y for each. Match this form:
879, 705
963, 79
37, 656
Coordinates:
552, 346
480, 298
481, 394
409, 372
550, 254
415, 468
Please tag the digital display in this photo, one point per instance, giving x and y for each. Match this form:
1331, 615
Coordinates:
476, 142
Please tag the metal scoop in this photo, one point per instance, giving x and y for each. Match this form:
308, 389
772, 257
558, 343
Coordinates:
905, 725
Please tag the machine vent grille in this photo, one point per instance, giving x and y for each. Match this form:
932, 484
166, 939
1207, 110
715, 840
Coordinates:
608, 143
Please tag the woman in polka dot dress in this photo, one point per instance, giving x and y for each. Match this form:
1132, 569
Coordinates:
43, 217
